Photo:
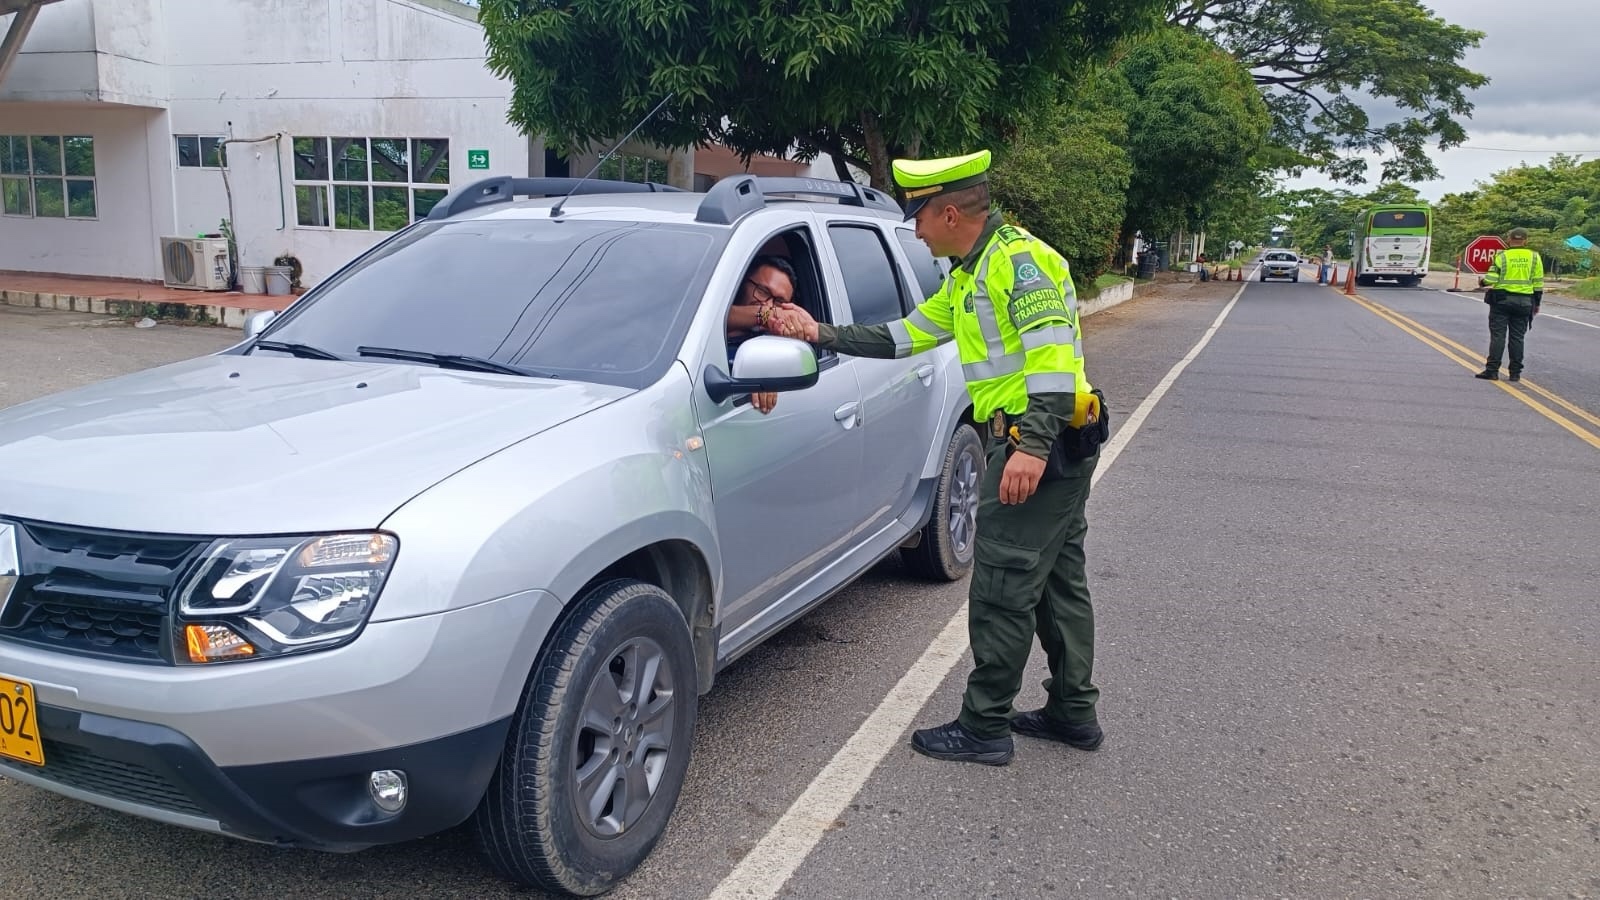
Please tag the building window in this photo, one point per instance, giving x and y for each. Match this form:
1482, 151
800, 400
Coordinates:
47, 176
633, 168
199, 151
368, 184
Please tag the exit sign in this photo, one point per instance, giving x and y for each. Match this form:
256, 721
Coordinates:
477, 159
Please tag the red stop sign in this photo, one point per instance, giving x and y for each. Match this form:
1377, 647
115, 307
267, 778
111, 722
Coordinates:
1479, 254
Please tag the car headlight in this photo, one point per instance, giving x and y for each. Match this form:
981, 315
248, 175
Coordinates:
257, 598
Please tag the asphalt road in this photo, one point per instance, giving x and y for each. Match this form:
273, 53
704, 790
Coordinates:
1347, 648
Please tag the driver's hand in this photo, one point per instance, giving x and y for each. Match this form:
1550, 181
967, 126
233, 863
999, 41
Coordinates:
796, 322
764, 402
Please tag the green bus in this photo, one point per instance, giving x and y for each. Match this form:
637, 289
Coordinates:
1392, 241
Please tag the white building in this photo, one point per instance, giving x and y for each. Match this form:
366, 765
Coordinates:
330, 123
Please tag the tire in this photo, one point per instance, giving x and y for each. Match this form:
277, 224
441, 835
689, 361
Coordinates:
1263, 276
1295, 278
532, 825
949, 539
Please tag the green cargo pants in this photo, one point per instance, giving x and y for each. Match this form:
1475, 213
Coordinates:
1028, 579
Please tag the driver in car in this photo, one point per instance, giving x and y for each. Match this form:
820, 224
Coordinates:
760, 308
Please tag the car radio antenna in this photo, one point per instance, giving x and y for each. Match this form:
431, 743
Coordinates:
556, 210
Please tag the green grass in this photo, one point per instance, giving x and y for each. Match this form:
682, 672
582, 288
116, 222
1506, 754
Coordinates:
1588, 289
1109, 280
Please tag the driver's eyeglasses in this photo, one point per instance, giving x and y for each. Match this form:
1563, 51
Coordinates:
762, 294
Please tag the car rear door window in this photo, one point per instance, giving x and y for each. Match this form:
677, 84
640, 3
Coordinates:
869, 274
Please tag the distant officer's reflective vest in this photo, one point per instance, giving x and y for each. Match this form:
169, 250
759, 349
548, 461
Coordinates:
1516, 271
1015, 321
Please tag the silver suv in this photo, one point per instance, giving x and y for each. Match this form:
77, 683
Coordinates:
466, 531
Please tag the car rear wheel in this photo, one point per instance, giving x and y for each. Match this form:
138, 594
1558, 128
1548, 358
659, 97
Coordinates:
945, 550
598, 747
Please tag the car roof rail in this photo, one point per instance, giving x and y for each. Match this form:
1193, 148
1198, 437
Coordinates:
732, 198
504, 189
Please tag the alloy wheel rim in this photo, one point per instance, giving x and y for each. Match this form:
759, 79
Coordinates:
624, 738
964, 503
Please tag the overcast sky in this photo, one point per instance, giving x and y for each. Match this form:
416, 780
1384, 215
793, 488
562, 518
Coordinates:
1540, 56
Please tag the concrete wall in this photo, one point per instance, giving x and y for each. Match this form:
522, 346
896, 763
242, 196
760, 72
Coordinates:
107, 51
132, 194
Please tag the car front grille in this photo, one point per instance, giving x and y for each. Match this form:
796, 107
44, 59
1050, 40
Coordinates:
83, 769
97, 593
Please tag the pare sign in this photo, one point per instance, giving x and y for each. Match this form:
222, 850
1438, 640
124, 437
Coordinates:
1479, 254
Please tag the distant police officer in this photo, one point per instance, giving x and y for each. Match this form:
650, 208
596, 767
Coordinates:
1011, 309
1516, 288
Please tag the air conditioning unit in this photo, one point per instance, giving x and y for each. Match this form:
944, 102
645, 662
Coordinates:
196, 264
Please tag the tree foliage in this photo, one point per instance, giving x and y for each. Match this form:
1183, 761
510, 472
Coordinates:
1195, 130
865, 81
1554, 202
1065, 176
1317, 61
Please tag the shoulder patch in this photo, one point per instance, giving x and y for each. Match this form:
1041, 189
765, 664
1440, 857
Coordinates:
1035, 296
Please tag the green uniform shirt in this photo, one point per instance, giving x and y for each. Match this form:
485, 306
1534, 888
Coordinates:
1013, 312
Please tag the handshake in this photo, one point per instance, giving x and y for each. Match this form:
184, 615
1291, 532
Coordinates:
789, 320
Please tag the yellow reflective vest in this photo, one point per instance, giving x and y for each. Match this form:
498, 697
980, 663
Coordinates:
1013, 313
1516, 271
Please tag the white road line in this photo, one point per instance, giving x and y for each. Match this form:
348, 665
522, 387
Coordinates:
766, 868
1543, 315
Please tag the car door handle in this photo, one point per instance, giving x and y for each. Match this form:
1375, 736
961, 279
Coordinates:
847, 413
925, 372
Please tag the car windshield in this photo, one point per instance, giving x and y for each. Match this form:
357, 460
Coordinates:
607, 302
1282, 257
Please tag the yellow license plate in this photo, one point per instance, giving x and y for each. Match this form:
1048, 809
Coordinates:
19, 723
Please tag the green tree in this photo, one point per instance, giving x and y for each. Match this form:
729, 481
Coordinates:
865, 81
1554, 202
1195, 131
1316, 61
1065, 176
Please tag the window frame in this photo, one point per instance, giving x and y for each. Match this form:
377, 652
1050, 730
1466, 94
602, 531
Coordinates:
200, 151
327, 167
811, 294
31, 177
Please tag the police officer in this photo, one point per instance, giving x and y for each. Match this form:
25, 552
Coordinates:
1011, 308
1516, 288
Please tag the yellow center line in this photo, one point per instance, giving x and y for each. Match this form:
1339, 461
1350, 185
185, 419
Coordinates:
1468, 360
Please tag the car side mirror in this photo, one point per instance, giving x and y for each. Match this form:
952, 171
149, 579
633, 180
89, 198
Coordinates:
765, 364
258, 322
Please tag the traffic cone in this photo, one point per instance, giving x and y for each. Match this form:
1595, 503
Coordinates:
1350, 280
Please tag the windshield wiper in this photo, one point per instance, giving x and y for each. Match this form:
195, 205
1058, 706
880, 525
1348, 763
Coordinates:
447, 360
304, 351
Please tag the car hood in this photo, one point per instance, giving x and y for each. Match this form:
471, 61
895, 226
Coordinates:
247, 445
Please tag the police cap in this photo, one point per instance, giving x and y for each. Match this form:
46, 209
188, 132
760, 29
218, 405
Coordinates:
1519, 234
922, 180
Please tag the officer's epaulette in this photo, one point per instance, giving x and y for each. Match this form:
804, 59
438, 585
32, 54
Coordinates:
1011, 233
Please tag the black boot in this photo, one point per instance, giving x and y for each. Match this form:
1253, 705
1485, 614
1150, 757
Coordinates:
953, 743
1515, 377
1083, 735
1488, 374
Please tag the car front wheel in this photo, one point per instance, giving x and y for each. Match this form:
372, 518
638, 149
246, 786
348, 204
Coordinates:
598, 747
944, 551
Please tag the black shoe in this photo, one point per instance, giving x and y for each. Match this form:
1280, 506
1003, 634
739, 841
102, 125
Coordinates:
1083, 735
1488, 375
953, 743
1515, 376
